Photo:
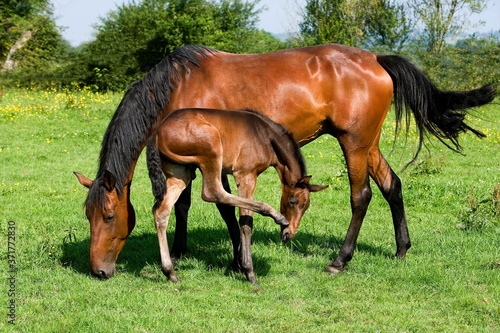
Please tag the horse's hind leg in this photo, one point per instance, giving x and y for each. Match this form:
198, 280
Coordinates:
177, 179
179, 248
390, 186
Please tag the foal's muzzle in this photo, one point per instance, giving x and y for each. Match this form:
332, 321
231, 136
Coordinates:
286, 234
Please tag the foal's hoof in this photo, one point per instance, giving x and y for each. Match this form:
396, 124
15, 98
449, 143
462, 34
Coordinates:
333, 270
170, 274
282, 221
174, 278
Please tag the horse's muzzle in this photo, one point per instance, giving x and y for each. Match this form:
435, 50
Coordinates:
103, 273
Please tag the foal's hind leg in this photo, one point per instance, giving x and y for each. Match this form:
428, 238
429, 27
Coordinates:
177, 179
390, 186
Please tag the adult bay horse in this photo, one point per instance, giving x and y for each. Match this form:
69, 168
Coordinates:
240, 143
329, 89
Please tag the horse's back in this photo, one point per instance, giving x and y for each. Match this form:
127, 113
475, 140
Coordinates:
301, 89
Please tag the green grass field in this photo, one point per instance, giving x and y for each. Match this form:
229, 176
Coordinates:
449, 282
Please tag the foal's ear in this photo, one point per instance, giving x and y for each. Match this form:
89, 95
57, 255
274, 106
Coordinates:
317, 188
83, 180
108, 180
304, 181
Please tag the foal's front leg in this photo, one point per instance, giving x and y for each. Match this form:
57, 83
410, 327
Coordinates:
177, 179
228, 213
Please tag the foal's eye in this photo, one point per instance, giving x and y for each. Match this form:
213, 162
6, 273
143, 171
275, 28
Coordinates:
293, 202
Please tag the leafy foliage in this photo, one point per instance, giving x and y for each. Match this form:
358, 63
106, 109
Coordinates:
479, 215
327, 21
369, 23
472, 62
43, 41
441, 19
134, 37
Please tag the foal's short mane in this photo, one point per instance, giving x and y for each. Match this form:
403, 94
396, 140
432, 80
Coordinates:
283, 133
137, 113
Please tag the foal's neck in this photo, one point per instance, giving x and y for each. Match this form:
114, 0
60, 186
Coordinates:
290, 164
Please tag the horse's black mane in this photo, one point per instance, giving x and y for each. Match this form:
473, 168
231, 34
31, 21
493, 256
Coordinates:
137, 113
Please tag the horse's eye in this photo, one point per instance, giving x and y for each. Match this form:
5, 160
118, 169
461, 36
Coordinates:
109, 218
293, 202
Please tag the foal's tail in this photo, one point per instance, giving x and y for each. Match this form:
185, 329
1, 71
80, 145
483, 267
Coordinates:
156, 175
440, 113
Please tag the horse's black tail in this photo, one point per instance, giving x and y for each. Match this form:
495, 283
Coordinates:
156, 175
440, 113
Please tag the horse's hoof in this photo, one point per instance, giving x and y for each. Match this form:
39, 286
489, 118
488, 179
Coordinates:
400, 254
251, 278
235, 266
333, 270
175, 257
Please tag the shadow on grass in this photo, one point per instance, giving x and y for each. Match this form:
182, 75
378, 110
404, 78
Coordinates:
211, 247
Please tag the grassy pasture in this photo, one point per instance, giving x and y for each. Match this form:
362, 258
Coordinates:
449, 282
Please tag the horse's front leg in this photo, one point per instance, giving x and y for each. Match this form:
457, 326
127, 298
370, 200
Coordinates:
246, 189
228, 213
361, 194
177, 179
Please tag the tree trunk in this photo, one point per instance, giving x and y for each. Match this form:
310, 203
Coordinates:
10, 63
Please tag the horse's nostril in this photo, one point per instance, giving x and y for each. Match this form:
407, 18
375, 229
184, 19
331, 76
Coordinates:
102, 274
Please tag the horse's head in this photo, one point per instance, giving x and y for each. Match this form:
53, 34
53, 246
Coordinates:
111, 217
294, 203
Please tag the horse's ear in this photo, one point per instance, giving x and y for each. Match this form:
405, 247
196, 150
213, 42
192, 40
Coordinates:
108, 180
304, 182
83, 180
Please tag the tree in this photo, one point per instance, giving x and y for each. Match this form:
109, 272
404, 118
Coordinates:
367, 23
472, 62
327, 21
28, 34
441, 19
385, 26
136, 36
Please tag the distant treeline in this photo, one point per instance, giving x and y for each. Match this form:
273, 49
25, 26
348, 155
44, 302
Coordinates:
131, 39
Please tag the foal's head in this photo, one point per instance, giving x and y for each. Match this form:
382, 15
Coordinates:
112, 218
294, 203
